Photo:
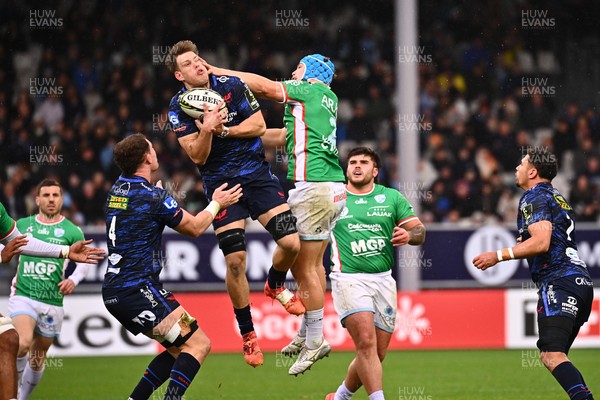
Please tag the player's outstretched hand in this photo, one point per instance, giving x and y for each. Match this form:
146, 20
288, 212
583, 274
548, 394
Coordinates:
399, 236
13, 247
211, 69
485, 260
225, 198
80, 252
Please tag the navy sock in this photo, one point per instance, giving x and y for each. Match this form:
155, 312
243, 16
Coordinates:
590, 396
571, 381
244, 319
156, 374
276, 279
184, 370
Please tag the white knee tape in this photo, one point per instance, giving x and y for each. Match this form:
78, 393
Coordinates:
5, 324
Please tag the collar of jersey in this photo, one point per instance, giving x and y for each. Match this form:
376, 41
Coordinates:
37, 219
133, 178
361, 194
541, 184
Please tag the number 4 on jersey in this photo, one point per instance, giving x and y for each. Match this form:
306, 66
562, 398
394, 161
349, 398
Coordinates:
112, 235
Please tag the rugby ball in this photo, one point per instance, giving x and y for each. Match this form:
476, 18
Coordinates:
192, 101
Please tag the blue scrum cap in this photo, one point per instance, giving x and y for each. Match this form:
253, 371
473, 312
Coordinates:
318, 67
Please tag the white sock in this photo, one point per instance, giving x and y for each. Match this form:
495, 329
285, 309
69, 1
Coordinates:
30, 380
21, 363
343, 393
302, 330
378, 395
314, 328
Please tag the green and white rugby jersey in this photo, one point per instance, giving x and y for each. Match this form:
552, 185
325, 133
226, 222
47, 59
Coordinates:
7, 224
38, 277
361, 239
310, 119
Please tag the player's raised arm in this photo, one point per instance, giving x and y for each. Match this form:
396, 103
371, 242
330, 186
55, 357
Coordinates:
253, 126
12, 248
538, 243
196, 225
261, 86
274, 137
78, 252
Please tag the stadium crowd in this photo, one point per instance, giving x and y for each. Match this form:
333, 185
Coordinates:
77, 79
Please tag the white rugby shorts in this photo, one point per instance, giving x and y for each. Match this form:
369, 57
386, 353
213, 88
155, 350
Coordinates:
376, 293
317, 206
48, 318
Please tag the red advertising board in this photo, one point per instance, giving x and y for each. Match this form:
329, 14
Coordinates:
431, 319
443, 319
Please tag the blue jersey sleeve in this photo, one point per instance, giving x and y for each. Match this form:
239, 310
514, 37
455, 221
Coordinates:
537, 209
181, 123
167, 210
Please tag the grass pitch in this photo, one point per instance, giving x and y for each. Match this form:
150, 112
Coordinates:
408, 375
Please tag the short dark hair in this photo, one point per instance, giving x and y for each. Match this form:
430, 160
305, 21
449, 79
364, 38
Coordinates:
365, 151
129, 153
179, 48
544, 161
48, 182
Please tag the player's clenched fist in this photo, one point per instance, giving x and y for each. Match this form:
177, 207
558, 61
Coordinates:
400, 236
485, 260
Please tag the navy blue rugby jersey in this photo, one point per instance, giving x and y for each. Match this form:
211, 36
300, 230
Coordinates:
544, 203
229, 156
136, 214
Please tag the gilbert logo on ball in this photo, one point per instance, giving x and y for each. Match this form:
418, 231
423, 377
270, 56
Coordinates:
192, 101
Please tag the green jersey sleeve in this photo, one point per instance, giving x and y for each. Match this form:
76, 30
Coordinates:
7, 224
404, 210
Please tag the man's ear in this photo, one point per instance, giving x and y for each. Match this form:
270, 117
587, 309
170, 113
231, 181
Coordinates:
533, 172
375, 172
178, 76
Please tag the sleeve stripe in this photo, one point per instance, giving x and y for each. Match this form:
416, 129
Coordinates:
408, 219
284, 91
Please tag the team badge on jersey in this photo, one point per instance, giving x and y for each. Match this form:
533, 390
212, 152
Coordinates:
527, 211
562, 202
171, 203
380, 198
59, 232
123, 190
251, 99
